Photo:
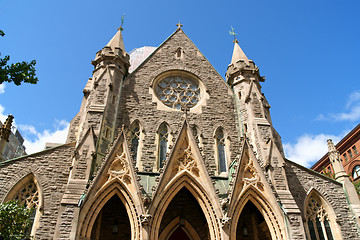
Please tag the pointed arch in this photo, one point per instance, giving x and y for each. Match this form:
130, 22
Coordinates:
320, 218
92, 208
222, 148
179, 223
163, 199
263, 206
162, 139
116, 176
29, 193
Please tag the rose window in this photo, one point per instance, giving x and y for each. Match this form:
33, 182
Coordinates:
178, 92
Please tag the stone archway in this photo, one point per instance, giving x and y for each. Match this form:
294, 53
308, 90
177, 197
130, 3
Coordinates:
251, 224
112, 221
184, 219
268, 215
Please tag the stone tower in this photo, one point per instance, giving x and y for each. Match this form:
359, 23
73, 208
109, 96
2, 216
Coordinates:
102, 95
254, 119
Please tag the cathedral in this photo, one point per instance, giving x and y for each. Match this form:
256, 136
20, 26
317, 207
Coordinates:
173, 151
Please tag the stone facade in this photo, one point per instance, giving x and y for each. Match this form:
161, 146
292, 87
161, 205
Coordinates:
172, 151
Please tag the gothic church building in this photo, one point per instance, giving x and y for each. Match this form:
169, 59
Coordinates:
172, 151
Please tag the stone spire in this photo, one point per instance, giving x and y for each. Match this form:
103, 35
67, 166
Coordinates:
240, 64
238, 54
117, 41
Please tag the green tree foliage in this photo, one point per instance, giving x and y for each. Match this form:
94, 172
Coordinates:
14, 221
17, 72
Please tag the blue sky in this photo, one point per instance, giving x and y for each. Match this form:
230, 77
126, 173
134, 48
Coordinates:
308, 51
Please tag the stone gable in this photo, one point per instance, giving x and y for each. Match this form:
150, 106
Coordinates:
138, 103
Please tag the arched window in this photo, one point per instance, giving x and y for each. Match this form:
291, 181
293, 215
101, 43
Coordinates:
163, 134
221, 150
356, 172
135, 139
318, 222
26, 192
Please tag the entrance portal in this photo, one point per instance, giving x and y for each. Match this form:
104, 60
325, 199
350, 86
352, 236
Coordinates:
112, 222
185, 214
251, 224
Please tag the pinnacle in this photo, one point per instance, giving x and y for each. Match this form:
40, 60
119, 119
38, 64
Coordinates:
331, 146
117, 41
238, 54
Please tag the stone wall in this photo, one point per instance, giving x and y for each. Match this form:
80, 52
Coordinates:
301, 180
51, 170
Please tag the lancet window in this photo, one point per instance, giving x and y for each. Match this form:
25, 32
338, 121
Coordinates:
163, 134
135, 139
318, 222
221, 150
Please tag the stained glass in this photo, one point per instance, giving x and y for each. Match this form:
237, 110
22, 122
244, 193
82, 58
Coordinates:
163, 141
135, 135
178, 92
220, 142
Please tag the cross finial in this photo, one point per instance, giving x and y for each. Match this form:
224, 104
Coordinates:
179, 25
233, 33
122, 22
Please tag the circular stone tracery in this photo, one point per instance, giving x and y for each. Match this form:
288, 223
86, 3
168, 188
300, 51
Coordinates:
177, 92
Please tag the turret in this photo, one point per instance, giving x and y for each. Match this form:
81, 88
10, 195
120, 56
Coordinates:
101, 97
254, 120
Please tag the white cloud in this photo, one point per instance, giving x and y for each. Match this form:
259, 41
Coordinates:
2, 114
35, 141
2, 88
309, 148
351, 114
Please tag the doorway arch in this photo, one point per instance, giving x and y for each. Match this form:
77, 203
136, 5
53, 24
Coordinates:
184, 216
271, 213
164, 198
112, 221
251, 224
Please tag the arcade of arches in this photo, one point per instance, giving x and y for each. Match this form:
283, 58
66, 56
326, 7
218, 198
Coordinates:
182, 220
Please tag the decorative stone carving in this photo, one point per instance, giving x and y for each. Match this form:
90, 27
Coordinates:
145, 219
251, 176
120, 169
225, 222
187, 162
